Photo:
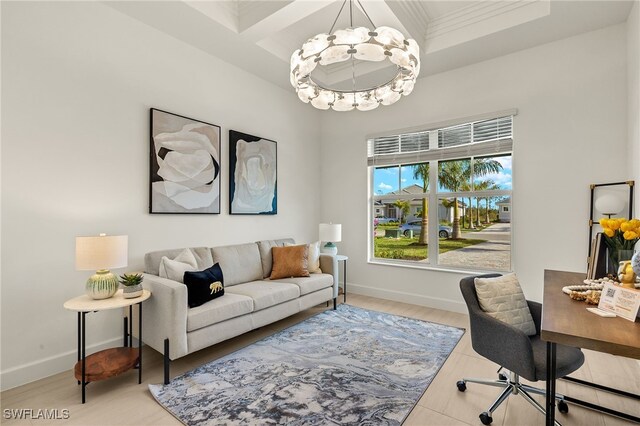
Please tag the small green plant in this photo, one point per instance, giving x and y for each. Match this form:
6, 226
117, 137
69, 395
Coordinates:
131, 279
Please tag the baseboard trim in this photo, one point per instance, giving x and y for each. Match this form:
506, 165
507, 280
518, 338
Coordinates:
36, 370
412, 298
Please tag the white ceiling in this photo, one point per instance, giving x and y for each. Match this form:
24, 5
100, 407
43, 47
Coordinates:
259, 36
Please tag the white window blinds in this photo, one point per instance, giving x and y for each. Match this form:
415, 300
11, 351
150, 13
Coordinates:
485, 137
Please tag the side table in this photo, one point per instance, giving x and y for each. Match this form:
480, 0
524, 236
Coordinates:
342, 258
109, 362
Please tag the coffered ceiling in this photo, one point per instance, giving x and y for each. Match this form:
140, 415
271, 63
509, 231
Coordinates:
260, 36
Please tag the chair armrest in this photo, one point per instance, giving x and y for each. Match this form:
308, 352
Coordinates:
536, 312
503, 344
329, 265
165, 315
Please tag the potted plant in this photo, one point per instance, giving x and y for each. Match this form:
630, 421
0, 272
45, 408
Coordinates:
132, 285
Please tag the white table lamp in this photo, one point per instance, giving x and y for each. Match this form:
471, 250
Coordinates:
100, 254
330, 233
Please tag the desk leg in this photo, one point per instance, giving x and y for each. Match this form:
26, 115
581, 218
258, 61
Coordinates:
139, 343
551, 384
84, 357
345, 282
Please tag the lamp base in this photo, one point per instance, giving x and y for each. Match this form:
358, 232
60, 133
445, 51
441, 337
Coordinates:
102, 285
329, 248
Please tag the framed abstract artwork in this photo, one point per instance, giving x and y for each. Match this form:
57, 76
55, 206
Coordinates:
185, 165
253, 182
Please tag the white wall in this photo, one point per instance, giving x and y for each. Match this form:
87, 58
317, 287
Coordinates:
79, 79
633, 108
571, 131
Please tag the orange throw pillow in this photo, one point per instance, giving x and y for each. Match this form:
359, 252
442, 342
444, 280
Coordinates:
291, 261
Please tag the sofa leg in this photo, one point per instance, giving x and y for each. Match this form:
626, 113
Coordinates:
167, 361
335, 303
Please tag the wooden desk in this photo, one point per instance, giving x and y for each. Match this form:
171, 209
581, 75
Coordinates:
568, 322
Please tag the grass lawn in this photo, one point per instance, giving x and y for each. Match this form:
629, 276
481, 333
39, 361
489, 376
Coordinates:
409, 249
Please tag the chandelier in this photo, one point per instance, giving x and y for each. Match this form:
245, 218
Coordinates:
355, 44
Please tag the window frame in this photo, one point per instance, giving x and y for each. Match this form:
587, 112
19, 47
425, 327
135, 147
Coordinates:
433, 196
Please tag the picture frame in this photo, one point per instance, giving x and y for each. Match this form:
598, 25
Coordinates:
185, 165
253, 175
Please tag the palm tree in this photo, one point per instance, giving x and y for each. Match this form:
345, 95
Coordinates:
488, 200
404, 207
453, 175
467, 187
421, 171
483, 186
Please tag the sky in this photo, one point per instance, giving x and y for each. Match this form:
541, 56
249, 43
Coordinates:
386, 180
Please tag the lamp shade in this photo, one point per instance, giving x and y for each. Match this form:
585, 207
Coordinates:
609, 204
330, 232
101, 252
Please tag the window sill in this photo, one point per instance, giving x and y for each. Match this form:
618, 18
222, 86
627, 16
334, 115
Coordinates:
437, 268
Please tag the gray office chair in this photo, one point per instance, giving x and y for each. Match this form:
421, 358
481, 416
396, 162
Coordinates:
509, 347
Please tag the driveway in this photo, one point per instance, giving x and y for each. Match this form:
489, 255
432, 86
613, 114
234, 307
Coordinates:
491, 254
495, 232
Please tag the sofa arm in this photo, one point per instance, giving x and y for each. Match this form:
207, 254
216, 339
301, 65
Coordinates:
165, 315
329, 265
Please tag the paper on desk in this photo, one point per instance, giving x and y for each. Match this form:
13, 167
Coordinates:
624, 302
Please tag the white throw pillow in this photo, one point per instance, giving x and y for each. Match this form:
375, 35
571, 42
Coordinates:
314, 257
502, 298
174, 269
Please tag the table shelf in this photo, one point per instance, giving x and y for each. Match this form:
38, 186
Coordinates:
107, 363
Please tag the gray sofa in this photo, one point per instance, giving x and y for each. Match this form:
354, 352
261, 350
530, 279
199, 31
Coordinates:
251, 300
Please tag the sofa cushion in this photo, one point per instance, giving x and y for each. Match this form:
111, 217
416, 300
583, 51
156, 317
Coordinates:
314, 257
221, 309
174, 269
240, 263
265, 253
266, 293
291, 261
311, 283
152, 260
502, 298
203, 286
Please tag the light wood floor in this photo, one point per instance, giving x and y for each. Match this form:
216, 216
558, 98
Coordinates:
121, 401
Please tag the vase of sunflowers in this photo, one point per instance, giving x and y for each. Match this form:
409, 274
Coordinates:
620, 236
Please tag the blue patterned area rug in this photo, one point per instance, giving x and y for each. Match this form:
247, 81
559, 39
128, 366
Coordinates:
349, 366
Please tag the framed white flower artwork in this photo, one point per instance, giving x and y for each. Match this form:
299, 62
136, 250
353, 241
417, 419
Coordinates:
185, 165
253, 170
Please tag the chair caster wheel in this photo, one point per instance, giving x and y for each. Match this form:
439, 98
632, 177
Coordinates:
462, 386
563, 407
486, 418
502, 377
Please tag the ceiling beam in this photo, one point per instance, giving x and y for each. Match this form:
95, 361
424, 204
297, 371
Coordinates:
282, 18
223, 12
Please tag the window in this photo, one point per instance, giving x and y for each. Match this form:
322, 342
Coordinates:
448, 191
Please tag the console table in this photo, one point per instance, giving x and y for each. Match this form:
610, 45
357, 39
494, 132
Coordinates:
109, 362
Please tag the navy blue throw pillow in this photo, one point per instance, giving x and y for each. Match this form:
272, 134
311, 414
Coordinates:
203, 286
